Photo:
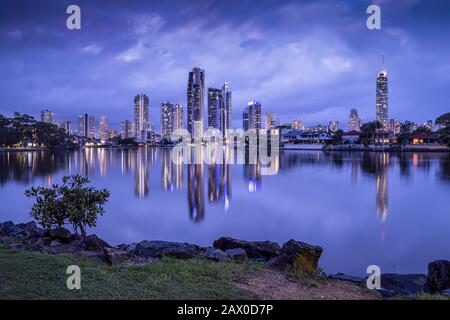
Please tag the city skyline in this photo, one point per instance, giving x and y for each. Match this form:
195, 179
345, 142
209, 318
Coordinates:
295, 67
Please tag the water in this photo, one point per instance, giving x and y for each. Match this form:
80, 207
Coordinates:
362, 208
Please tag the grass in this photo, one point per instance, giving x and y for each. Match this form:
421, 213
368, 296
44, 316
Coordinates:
428, 296
27, 275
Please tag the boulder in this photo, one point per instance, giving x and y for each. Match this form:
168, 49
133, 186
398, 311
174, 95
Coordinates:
216, 255
61, 234
94, 243
259, 250
127, 247
61, 249
16, 246
298, 255
9, 228
114, 256
55, 243
237, 254
348, 278
404, 284
438, 278
91, 254
158, 249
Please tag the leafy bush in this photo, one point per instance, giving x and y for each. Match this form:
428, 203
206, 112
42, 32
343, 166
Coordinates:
73, 202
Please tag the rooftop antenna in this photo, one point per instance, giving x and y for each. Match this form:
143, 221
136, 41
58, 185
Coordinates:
382, 59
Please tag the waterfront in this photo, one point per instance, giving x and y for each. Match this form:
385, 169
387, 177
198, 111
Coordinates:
362, 208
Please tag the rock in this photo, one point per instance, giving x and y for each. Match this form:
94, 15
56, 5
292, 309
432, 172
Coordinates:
62, 249
61, 234
404, 284
16, 246
438, 276
446, 293
9, 228
115, 256
91, 254
94, 243
79, 243
237, 254
158, 249
259, 250
344, 277
44, 241
298, 255
281, 262
386, 293
127, 247
216, 255
55, 243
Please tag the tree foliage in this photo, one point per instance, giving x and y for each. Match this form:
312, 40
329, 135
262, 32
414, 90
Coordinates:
73, 202
368, 131
444, 122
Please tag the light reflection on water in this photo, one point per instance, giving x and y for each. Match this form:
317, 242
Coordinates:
363, 208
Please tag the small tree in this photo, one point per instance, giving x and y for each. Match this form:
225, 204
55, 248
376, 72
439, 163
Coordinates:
73, 202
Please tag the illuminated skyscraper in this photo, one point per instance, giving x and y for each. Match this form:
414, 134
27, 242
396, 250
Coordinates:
141, 113
215, 104
271, 120
254, 115
245, 124
178, 117
354, 122
86, 126
225, 111
297, 125
103, 129
167, 119
47, 116
333, 126
195, 101
382, 110
126, 129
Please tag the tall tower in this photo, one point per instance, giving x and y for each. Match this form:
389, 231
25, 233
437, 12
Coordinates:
195, 101
382, 110
215, 105
103, 129
254, 115
354, 122
167, 119
178, 117
47, 116
141, 105
225, 112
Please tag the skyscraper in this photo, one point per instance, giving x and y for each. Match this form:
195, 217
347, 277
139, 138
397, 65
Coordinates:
47, 116
103, 131
245, 124
333, 126
86, 126
195, 101
68, 127
254, 115
178, 117
126, 129
215, 105
382, 111
297, 125
141, 106
225, 112
354, 121
167, 119
271, 120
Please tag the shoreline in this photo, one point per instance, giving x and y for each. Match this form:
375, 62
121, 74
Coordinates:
275, 261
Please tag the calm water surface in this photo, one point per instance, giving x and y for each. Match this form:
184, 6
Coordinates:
362, 208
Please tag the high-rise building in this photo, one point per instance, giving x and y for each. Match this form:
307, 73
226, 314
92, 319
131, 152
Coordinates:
245, 124
254, 115
67, 126
103, 130
141, 112
195, 101
271, 121
382, 110
86, 126
126, 129
178, 117
354, 121
47, 116
333, 126
215, 105
167, 119
225, 112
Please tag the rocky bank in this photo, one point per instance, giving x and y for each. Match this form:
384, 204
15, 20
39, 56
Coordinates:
292, 255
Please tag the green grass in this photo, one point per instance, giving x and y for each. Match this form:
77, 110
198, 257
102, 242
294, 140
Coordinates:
428, 296
26, 275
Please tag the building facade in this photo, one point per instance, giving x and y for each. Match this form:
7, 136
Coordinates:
126, 131
86, 126
254, 115
167, 119
215, 106
225, 113
382, 108
354, 122
195, 101
103, 129
141, 114
47, 116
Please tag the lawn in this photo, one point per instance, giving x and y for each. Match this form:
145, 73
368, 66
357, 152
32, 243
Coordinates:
26, 275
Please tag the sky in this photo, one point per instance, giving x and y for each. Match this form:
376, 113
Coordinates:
307, 60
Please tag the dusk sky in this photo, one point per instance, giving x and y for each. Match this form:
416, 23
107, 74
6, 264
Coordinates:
307, 60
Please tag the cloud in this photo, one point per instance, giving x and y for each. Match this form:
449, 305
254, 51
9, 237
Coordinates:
145, 24
134, 53
92, 49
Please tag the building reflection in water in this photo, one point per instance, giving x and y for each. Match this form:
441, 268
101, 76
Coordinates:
141, 173
195, 192
219, 180
171, 173
252, 171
